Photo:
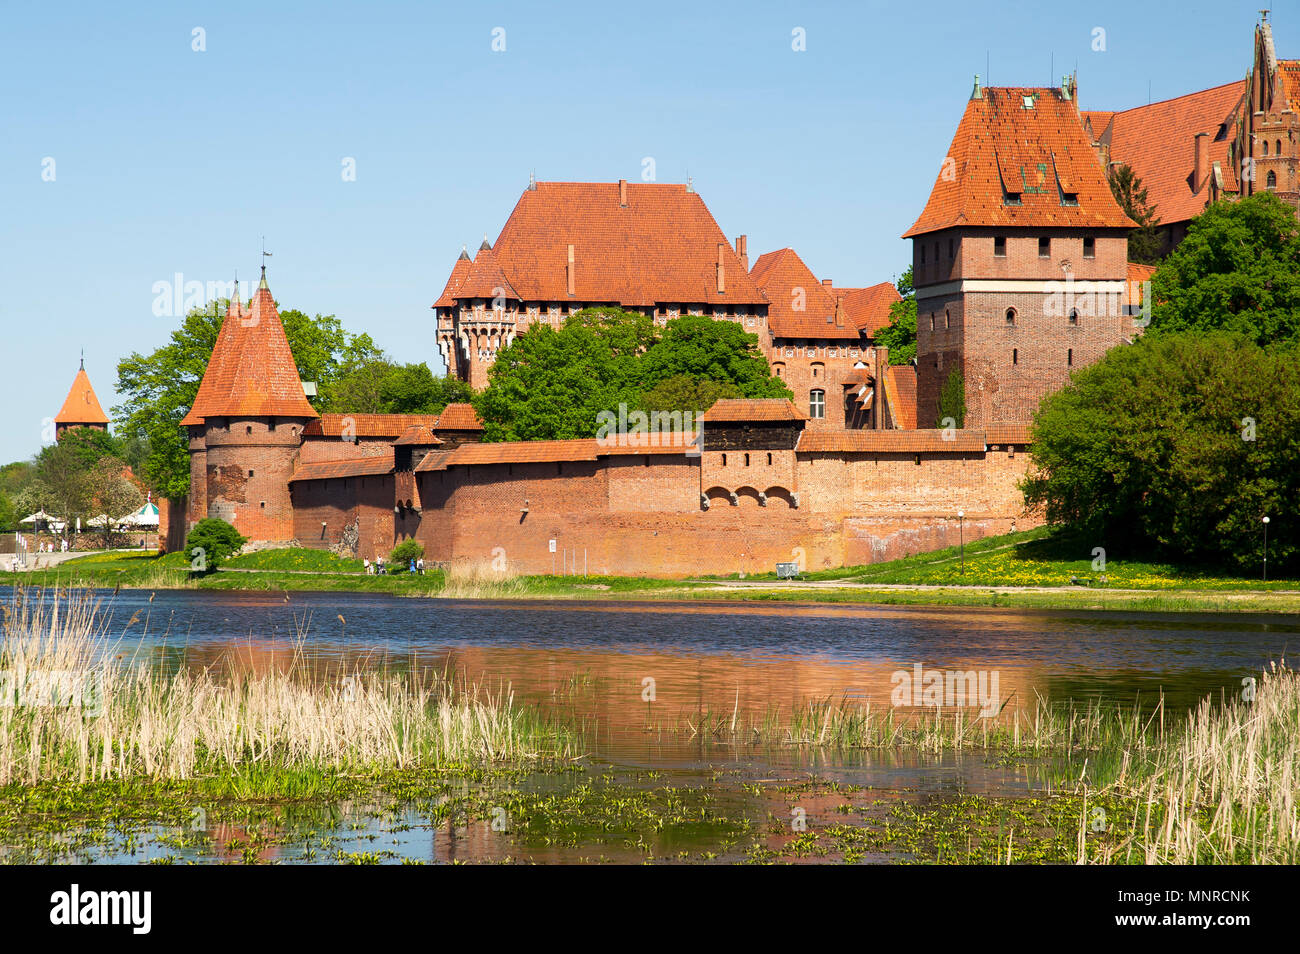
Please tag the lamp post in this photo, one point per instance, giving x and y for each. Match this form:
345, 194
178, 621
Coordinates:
1266, 549
961, 524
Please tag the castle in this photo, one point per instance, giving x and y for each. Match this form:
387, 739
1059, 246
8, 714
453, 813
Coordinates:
1021, 276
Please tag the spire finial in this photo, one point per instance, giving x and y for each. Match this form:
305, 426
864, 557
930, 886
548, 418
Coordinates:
83, 359
265, 256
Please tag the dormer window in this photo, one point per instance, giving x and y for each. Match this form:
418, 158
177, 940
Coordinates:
1069, 198
1011, 198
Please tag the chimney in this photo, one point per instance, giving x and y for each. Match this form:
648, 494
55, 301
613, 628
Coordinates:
722, 278
1201, 169
622, 193
878, 399
568, 272
742, 250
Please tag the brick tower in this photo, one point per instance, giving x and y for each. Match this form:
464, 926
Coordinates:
80, 408
1019, 258
246, 424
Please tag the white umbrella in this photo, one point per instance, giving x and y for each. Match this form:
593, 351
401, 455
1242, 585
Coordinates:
38, 517
146, 516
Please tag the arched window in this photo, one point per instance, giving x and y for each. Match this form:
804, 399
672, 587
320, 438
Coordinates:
1271, 181
947, 320
1011, 316
1278, 150
932, 321
769, 458
817, 404
1074, 316
1266, 147
746, 460
724, 460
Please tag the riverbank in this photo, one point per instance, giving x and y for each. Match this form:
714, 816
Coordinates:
283, 759
1032, 570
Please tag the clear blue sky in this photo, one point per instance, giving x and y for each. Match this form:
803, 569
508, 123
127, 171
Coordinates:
169, 160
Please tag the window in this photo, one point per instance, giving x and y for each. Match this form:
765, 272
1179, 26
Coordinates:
817, 368
1011, 317
248, 428
817, 404
1015, 355
250, 473
932, 321
1278, 150
1000, 246
1089, 247
1266, 147
724, 460
1074, 316
1069, 358
1044, 247
746, 460
1271, 181
947, 320
769, 459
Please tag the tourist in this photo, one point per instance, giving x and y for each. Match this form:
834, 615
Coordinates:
420, 565
366, 565
412, 567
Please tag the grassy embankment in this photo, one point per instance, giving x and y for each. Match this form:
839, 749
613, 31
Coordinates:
145, 746
1032, 569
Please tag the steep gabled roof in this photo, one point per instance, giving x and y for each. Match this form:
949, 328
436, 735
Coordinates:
485, 278
799, 306
1158, 143
1034, 157
252, 370
661, 247
81, 406
458, 272
868, 308
900, 394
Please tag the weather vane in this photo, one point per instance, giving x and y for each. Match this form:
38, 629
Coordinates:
265, 253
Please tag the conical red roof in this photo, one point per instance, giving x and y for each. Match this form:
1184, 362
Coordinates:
252, 372
81, 406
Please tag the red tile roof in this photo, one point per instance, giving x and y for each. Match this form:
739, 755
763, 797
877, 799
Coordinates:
1289, 73
744, 410
1158, 143
800, 306
1008, 432
367, 425
900, 393
459, 417
418, 435
662, 247
542, 452
828, 441
252, 370
355, 467
81, 406
669, 442
1038, 153
868, 308
458, 272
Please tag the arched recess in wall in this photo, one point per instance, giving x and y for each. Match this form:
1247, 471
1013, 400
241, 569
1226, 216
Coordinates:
747, 497
718, 497
779, 497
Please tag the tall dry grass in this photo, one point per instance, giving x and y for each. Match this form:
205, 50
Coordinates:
1223, 790
478, 581
77, 709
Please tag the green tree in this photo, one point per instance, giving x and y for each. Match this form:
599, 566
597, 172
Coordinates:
705, 349
682, 392
1176, 445
899, 336
1143, 241
210, 543
553, 384
9, 515
952, 400
406, 551
159, 387
1237, 270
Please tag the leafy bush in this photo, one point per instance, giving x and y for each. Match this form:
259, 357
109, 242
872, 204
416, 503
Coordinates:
210, 543
406, 551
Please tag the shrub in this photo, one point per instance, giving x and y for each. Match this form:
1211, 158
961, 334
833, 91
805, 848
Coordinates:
406, 551
210, 543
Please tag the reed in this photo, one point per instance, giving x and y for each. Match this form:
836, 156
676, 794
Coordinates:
76, 709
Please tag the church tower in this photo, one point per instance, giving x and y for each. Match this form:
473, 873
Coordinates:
246, 424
